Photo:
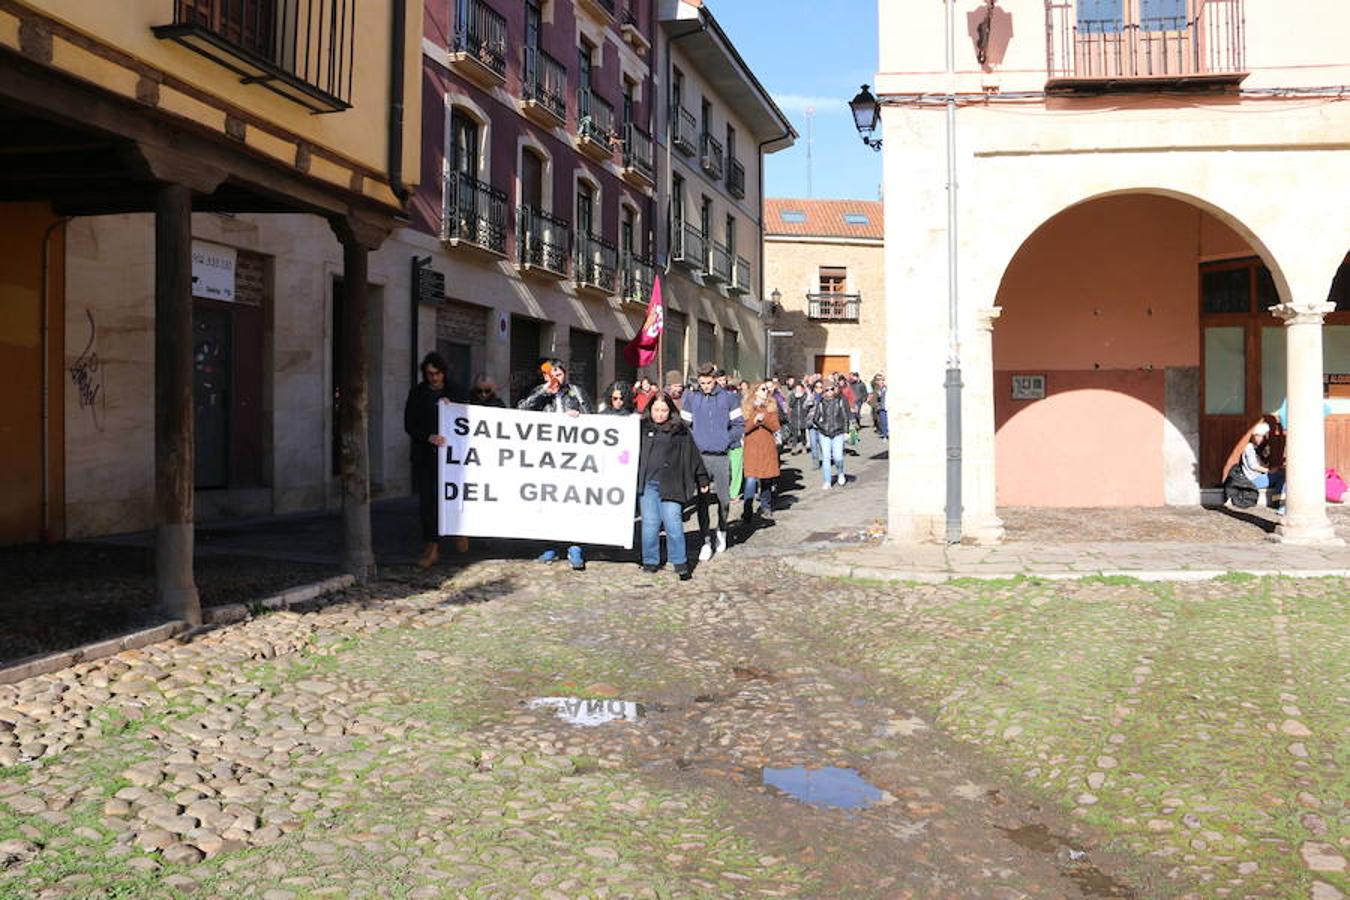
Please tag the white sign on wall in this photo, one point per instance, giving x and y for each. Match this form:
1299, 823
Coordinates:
515, 474
213, 271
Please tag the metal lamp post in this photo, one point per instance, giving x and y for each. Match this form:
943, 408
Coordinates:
866, 109
772, 310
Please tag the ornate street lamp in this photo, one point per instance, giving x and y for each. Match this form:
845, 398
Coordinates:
866, 116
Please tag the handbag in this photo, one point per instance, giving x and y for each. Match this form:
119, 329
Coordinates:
1336, 487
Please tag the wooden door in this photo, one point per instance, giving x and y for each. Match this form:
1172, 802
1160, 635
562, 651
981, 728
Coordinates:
1237, 335
830, 365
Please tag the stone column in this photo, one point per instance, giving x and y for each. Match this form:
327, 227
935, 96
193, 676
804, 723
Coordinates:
1306, 519
980, 519
175, 588
358, 239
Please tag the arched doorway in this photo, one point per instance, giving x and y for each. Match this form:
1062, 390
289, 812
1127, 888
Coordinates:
1135, 346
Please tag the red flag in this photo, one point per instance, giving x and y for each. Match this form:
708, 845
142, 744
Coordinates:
642, 349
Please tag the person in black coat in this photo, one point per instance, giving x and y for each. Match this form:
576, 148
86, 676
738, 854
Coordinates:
422, 422
670, 474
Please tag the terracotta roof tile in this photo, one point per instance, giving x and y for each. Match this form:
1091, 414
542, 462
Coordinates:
787, 216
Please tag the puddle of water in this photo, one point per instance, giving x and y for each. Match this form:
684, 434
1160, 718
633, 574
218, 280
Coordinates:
1092, 881
589, 713
829, 787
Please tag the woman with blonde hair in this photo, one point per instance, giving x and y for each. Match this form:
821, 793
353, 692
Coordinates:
760, 410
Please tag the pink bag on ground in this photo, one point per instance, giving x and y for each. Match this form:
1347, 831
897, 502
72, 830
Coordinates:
1336, 486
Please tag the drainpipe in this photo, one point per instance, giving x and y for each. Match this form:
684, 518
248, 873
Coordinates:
953, 380
45, 534
398, 50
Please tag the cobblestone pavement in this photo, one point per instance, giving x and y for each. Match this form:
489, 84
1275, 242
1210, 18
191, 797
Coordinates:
1025, 739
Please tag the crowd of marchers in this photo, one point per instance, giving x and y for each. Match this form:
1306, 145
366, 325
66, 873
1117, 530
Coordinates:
706, 443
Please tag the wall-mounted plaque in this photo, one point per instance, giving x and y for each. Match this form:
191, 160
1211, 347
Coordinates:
1028, 387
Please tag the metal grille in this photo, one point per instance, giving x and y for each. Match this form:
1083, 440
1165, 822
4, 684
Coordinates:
545, 81
475, 213
480, 31
833, 306
596, 263
1211, 43
544, 241
637, 150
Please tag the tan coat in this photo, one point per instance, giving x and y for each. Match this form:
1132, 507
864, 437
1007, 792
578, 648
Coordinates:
761, 450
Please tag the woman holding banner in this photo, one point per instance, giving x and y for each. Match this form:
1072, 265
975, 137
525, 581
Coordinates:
670, 474
422, 422
558, 395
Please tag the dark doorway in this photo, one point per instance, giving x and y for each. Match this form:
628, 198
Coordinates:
623, 369
227, 394
673, 342
458, 358
585, 362
525, 335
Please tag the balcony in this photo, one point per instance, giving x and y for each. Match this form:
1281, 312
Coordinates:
602, 11
636, 276
479, 51
833, 307
596, 266
740, 278
736, 179
595, 126
688, 246
638, 166
543, 242
710, 157
301, 50
632, 27
543, 89
474, 215
718, 269
684, 131
1145, 53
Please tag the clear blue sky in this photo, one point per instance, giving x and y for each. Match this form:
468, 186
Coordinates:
811, 54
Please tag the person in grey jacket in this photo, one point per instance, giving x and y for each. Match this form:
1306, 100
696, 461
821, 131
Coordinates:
831, 418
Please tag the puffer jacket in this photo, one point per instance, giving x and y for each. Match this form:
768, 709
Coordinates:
831, 416
567, 398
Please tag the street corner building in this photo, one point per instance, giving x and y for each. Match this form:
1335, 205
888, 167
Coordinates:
824, 269
191, 194
1150, 251
233, 229
571, 153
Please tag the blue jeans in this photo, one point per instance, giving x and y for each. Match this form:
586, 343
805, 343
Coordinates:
764, 486
656, 514
884, 423
813, 444
832, 450
1272, 481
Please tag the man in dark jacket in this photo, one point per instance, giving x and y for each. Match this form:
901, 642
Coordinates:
831, 418
422, 422
715, 418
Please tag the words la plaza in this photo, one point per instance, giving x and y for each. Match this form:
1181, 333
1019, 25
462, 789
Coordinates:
525, 458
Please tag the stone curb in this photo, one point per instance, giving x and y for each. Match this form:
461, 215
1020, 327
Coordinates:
52, 662
295, 597
831, 569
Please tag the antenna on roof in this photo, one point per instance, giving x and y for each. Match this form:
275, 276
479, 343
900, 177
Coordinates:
810, 115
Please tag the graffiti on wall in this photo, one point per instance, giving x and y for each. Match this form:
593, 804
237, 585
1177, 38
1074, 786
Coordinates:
87, 376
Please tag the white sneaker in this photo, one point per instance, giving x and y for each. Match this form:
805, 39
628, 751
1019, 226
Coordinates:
706, 551
721, 542
841, 480
825, 486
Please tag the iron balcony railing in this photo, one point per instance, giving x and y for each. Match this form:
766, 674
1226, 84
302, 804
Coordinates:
300, 49
1204, 48
475, 213
596, 264
684, 131
689, 245
542, 241
636, 279
719, 262
710, 156
630, 14
545, 82
480, 31
595, 117
833, 306
740, 278
736, 179
637, 151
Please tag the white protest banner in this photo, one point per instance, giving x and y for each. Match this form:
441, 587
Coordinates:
509, 473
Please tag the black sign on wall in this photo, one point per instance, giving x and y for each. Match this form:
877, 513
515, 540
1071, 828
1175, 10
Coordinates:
430, 286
